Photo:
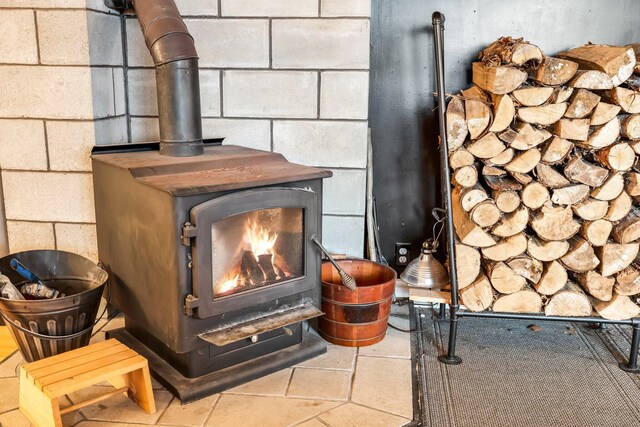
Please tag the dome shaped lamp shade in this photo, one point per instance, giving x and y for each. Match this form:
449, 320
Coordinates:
426, 271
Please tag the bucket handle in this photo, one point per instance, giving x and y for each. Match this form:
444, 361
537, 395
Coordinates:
60, 337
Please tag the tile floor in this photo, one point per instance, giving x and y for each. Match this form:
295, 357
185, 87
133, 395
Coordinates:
346, 387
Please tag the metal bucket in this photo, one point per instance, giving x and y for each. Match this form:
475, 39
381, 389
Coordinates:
356, 318
43, 328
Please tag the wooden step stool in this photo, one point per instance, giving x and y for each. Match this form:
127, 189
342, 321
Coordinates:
43, 382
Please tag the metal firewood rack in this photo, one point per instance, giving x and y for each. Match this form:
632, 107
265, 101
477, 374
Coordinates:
455, 312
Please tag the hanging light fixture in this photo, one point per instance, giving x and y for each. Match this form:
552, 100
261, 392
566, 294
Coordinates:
425, 271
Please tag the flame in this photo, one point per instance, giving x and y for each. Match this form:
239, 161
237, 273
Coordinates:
260, 239
227, 285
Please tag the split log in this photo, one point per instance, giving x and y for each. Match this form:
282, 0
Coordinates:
591, 209
527, 267
468, 232
603, 136
580, 258
486, 147
630, 126
636, 50
619, 207
579, 170
477, 111
554, 223
550, 177
553, 71
507, 50
457, 129
554, 277
522, 178
512, 224
568, 301
591, 79
627, 99
612, 187
544, 115
636, 146
532, 96
628, 229
615, 257
598, 286
616, 61
460, 158
596, 232
497, 80
503, 158
524, 136
619, 308
603, 113
574, 129
503, 278
467, 264
547, 250
485, 214
478, 296
470, 197
489, 170
556, 151
628, 281
502, 183
506, 201
524, 162
570, 195
632, 185
535, 195
617, 157
503, 112
582, 104
506, 248
561, 94
466, 176
524, 301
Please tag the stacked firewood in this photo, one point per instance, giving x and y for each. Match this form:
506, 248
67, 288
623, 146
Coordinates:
543, 153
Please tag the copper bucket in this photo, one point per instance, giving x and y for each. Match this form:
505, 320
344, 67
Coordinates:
356, 318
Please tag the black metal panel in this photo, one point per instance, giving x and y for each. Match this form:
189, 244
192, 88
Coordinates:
401, 109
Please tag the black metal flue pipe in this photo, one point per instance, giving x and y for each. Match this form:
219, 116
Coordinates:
177, 82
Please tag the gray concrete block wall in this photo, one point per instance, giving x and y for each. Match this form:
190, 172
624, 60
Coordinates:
286, 75
62, 80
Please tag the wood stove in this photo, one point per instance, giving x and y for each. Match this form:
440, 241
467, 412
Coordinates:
210, 260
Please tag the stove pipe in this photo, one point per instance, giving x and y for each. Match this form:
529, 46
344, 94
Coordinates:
177, 81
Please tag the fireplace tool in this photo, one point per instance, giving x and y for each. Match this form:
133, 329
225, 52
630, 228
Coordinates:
347, 280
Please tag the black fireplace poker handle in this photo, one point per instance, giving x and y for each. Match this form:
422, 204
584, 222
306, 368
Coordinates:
347, 280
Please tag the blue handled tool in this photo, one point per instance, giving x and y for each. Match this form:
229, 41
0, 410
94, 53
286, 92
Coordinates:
25, 272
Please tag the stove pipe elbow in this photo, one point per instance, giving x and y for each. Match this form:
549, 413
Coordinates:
177, 82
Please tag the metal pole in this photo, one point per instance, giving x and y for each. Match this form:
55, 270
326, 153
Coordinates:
632, 365
438, 35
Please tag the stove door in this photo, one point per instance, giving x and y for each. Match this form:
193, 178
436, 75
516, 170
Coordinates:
252, 246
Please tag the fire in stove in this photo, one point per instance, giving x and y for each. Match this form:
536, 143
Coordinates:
258, 260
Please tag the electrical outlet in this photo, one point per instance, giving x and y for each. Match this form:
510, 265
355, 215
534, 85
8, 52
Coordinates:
403, 254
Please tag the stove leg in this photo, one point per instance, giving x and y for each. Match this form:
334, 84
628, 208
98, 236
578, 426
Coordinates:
450, 358
442, 314
632, 365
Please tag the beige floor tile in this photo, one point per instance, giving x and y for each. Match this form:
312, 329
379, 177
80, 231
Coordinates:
192, 414
352, 415
384, 383
320, 384
109, 424
119, 408
98, 337
9, 395
394, 344
263, 411
272, 385
14, 419
314, 422
115, 323
336, 357
8, 368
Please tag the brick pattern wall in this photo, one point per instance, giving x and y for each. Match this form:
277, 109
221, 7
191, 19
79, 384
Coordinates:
283, 75
63, 92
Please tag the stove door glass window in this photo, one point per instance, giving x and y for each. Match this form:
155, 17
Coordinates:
256, 249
